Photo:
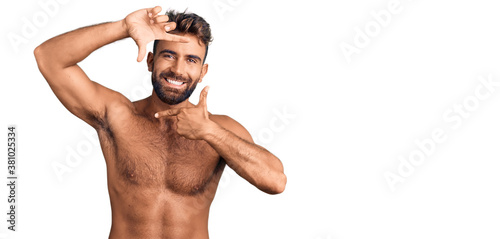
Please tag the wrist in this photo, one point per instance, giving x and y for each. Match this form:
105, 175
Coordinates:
210, 131
123, 28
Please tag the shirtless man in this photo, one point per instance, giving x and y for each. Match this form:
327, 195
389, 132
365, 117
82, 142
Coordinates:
164, 155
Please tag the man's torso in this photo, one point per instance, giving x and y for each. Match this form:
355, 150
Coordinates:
161, 185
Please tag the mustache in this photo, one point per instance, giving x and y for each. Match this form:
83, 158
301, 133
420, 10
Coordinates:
173, 76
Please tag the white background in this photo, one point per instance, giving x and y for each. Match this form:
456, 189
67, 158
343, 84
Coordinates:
351, 120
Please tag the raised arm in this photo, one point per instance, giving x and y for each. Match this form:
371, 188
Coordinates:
57, 59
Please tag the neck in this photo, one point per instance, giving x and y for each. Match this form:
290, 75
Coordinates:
153, 104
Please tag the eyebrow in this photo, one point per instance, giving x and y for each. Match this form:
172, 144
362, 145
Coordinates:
168, 51
195, 57
175, 53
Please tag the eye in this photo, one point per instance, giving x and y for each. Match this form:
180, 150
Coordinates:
168, 56
192, 60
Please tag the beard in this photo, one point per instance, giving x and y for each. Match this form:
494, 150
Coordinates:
170, 95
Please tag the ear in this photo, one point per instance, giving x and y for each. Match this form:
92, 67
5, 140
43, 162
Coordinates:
204, 70
150, 61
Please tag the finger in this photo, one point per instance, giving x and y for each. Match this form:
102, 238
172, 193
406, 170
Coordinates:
203, 97
161, 18
169, 26
176, 38
154, 11
170, 112
142, 51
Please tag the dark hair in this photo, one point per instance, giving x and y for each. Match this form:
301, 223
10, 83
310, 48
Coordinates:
192, 24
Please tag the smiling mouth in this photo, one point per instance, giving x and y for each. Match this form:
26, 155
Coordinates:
174, 83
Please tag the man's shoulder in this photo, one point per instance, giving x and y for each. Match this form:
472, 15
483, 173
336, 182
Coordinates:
231, 125
225, 121
221, 119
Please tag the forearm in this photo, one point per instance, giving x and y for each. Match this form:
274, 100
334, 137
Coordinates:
70, 48
252, 162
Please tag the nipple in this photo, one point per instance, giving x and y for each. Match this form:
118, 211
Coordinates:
130, 174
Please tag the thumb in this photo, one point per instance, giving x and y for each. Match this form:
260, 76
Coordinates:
203, 97
142, 51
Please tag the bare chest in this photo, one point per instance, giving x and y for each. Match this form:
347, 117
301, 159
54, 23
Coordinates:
144, 154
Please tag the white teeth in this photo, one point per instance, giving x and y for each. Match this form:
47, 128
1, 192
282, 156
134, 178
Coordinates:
175, 82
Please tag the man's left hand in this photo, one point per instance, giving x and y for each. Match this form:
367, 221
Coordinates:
192, 122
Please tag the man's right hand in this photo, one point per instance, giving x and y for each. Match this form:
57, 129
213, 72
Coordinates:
146, 25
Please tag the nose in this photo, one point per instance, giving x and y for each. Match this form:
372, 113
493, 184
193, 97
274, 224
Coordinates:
178, 68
